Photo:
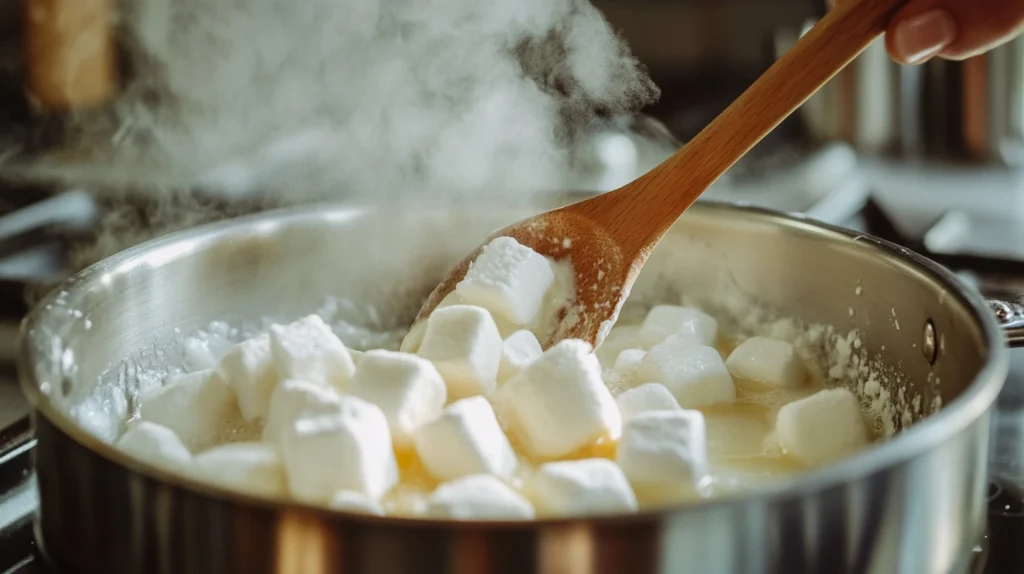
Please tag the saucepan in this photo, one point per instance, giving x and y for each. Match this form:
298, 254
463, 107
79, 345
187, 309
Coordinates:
915, 502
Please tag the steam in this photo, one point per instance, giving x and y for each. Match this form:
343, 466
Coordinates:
399, 96
373, 99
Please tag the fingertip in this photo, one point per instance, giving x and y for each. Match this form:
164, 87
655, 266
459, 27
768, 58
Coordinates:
894, 53
918, 37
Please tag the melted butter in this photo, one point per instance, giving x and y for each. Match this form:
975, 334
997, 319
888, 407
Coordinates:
741, 445
409, 497
412, 472
603, 447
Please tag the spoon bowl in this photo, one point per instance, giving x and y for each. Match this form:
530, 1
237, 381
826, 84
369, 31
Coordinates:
608, 238
603, 271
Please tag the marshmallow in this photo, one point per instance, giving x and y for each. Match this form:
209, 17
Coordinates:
519, 350
478, 497
696, 375
348, 450
248, 368
309, 350
663, 321
619, 339
559, 403
508, 279
465, 440
156, 445
768, 361
412, 340
357, 502
663, 453
293, 399
822, 427
581, 487
194, 406
628, 361
251, 467
356, 356
198, 355
644, 398
407, 388
464, 344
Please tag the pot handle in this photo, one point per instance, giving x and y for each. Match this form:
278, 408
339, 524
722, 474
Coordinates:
1010, 314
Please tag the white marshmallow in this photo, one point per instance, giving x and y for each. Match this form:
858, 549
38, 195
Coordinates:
194, 406
248, 368
663, 321
559, 403
478, 497
465, 440
251, 467
357, 502
663, 453
407, 388
822, 427
155, 444
464, 344
619, 339
198, 355
349, 450
628, 361
519, 350
293, 399
356, 357
412, 340
696, 375
309, 350
508, 279
581, 487
644, 398
768, 361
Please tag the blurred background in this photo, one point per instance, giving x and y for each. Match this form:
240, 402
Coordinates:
119, 122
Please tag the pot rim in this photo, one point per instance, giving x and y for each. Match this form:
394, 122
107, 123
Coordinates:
922, 436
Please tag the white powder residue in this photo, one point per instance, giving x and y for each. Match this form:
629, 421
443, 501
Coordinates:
561, 296
113, 401
832, 355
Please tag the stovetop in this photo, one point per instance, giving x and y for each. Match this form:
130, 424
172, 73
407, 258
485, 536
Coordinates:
829, 184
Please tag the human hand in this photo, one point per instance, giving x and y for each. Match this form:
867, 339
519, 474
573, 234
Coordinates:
951, 29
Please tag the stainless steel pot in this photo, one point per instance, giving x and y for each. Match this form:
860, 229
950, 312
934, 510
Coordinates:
914, 504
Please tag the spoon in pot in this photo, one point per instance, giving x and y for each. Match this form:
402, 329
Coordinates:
609, 237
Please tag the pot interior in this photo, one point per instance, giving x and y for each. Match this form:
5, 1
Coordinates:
863, 312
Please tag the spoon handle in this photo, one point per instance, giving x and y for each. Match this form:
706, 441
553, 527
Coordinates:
827, 48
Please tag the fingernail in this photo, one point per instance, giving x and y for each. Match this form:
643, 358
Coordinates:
919, 38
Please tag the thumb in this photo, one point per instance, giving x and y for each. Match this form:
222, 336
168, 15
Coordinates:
951, 29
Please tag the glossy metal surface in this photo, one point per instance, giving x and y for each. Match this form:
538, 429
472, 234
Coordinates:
915, 504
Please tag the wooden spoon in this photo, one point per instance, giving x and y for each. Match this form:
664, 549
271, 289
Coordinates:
609, 237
